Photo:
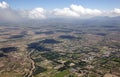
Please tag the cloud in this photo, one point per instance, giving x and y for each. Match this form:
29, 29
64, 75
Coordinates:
37, 13
4, 5
65, 12
73, 11
116, 11
85, 11
77, 11
9, 14
112, 13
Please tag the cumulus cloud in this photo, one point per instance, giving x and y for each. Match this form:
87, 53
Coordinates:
85, 11
77, 11
73, 11
37, 13
9, 14
4, 5
65, 12
116, 11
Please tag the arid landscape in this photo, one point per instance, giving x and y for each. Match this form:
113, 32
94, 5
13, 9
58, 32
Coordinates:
60, 51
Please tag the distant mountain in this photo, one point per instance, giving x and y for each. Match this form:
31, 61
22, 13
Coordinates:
91, 21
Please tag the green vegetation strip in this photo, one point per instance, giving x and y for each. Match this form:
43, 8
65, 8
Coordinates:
62, 74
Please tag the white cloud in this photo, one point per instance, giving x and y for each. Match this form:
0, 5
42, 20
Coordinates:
113, 13
4, 5
73, 11
85, 11
9, 14
65, 12
94, 12
116, 11
77, 11
37, 13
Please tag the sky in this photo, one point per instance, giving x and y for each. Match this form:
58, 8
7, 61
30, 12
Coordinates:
51, 4
15, 10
